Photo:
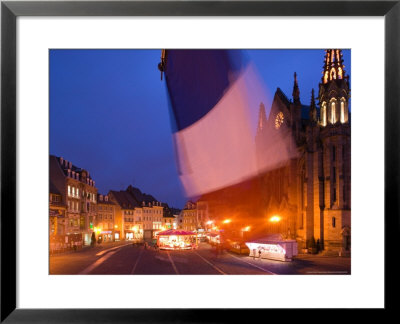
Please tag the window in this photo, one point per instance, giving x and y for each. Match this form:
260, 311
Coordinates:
342, 119
333, 222
77, 192
69, 191
73, 191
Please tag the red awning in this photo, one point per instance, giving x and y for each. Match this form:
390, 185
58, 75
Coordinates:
175, 232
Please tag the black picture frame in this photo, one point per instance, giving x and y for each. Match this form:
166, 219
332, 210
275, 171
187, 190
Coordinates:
10, 10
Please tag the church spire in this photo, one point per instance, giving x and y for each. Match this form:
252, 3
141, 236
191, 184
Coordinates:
262, 118
333, 66
296, 91
313, 108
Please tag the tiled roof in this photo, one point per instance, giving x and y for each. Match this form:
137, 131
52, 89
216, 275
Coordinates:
53, 189
56, 176
73, 167
140, 196
124, 199
282, 96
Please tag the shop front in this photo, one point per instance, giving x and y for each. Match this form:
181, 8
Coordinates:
129, 235
106, 236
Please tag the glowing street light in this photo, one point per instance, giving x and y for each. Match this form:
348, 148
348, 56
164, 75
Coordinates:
275, 219
226, 221
210, 222
246, 229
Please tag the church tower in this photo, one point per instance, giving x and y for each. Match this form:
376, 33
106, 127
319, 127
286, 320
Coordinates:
334, 90
335, 139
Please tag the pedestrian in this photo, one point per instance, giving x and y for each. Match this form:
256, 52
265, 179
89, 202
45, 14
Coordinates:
259, 253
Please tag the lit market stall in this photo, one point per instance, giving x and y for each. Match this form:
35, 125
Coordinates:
173, 239
213, 238
273, 247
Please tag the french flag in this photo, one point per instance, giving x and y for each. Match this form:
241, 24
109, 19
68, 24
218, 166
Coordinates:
209, 93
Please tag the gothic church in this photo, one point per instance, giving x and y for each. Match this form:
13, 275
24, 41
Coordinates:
312, 191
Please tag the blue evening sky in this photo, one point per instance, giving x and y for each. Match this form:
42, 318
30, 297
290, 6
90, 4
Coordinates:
109, 112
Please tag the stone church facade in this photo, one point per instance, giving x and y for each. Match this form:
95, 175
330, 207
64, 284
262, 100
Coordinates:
311, 192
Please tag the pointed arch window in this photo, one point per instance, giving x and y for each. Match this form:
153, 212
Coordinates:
342, 111
323, 114
333, 112
333, 74
340, 73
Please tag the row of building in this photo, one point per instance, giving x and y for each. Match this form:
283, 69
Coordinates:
77, 210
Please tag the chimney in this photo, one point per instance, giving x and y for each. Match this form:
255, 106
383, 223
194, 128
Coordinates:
65, 163
94, 183
77, 176
61, 160
69, 173
70, 165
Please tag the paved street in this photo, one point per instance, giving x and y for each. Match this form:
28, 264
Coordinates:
124, 258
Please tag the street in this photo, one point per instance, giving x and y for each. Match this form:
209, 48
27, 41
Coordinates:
124, 258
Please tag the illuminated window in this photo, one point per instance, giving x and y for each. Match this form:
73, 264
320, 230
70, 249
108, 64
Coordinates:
73, 191
333, 112
333, 74
69, 191
323, 114
326, 77
77, 192
342, 117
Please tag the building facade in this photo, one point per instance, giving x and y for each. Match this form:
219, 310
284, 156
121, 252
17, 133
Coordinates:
311, 193
105, 219
138, 216
189, 217
79, 194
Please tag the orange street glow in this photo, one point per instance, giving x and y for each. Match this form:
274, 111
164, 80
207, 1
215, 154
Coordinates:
246, 229
226, 221
275, 219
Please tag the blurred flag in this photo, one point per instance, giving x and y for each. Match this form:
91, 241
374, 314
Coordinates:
209, 93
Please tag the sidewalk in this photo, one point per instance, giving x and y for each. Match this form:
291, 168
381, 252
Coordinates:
89, 247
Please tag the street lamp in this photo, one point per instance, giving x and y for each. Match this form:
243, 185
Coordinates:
275, 219
226, 221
